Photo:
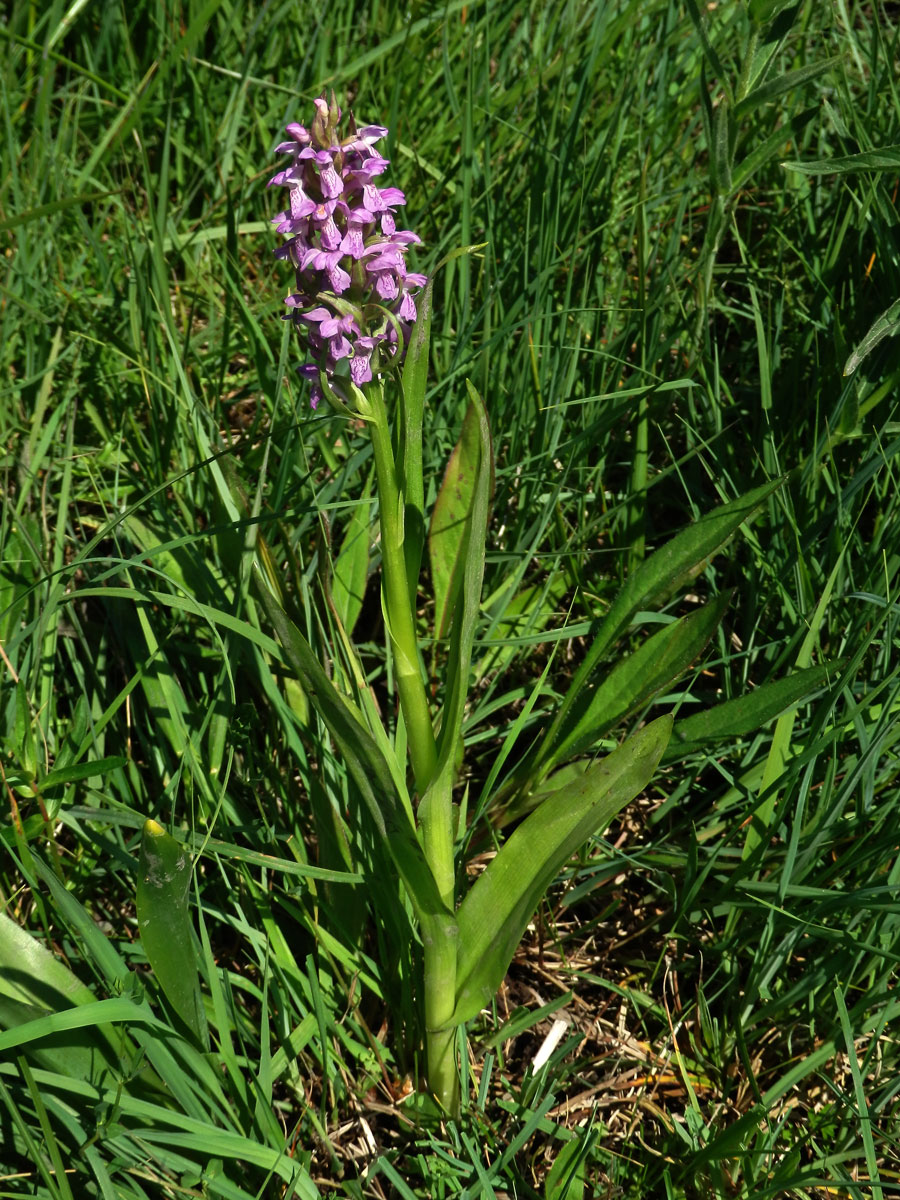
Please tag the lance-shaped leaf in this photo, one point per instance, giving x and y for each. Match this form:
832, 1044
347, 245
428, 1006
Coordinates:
496, 912
411, 412
435, 805
746, 714
773, 88
449, 535
639, 677
887, 158
763, 10
409, 456
666, 570
351, 567
33, 983
365, 761
887, 325
164, 921
469, 567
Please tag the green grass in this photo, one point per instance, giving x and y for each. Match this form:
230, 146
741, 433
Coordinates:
658, 321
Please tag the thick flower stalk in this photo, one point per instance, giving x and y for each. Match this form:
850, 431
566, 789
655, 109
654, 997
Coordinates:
354, 306
354, 301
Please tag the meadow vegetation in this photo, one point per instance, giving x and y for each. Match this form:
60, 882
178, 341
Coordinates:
689, 223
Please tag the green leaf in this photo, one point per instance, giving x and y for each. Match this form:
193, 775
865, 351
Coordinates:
667, 569
746, 714
497, 909
782, 748
367, 765
721, 149
767, 92
30, 973
84, 770
409, 458
640, 677
99, 952
76, 734
42, 211
164, 921
700, 25
565, 1179
435, 808
351, 568
448, 536
790, 131
414, 383
885, 159
34, 983
25, 732
470, 569
93, 1015
763, 10
887, 325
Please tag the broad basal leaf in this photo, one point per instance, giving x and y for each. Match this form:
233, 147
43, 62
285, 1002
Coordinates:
501, 902
638, 678
667, 569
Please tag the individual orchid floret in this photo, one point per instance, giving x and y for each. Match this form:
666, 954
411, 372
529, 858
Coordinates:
354, 299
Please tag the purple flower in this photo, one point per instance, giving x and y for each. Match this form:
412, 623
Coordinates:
353, 289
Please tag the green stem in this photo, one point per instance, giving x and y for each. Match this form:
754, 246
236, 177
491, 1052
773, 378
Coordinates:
440, 993
435, 814
397, 606
440, 941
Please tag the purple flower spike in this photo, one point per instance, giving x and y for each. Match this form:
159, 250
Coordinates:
354, 295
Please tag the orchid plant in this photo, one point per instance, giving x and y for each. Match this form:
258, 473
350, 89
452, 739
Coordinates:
364, 319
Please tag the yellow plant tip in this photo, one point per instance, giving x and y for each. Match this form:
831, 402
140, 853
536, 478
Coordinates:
153, 828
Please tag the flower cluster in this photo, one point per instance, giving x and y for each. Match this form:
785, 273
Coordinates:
354, 298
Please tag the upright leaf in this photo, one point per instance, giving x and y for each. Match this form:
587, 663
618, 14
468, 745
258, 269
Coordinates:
414, 383
409, 457
450, 520
469, 567
781, 748
351, 568
435, 814
565, 1179
365, 761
